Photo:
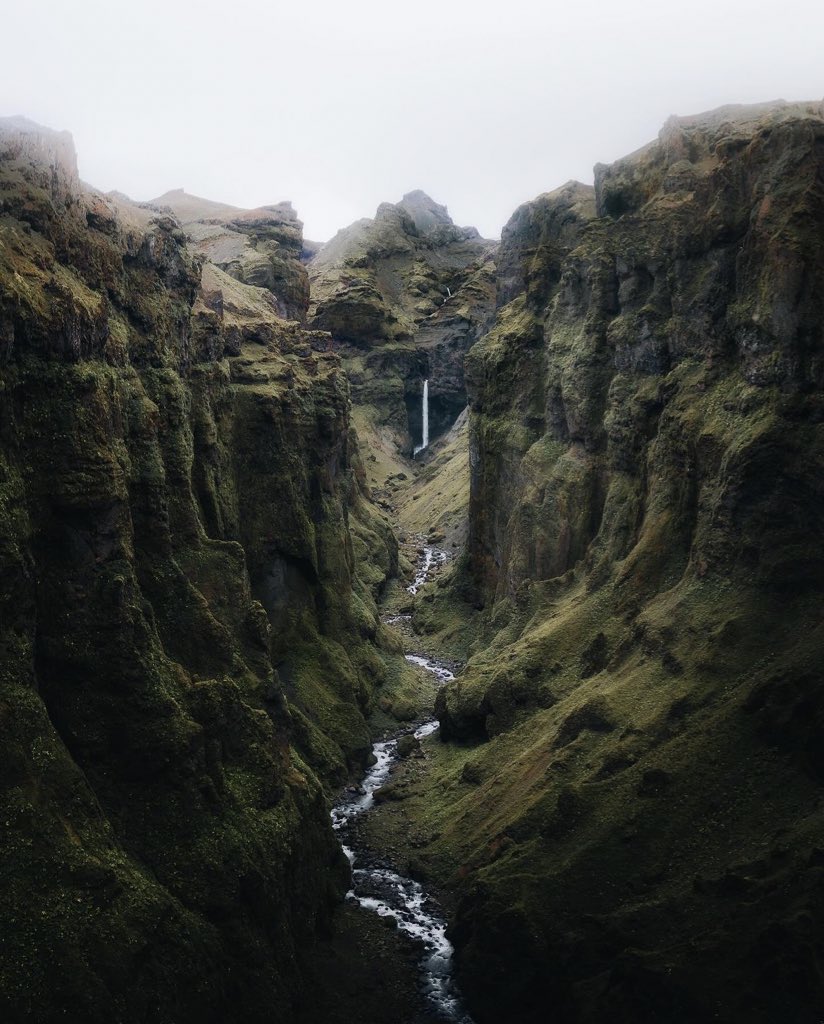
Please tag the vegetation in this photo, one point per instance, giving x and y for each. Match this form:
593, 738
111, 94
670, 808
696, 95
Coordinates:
621, 811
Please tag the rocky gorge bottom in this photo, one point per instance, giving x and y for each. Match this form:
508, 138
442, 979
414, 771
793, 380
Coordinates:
411, 919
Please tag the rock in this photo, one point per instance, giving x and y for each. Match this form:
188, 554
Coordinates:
378, 286
178, 596
471, 773
646, 451
408, 744
391, 791
256, 247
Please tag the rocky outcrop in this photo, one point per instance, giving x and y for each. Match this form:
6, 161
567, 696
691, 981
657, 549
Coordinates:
646, 454
183, 615
404, 297
262, 247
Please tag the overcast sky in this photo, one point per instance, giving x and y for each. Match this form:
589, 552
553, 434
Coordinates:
341, 105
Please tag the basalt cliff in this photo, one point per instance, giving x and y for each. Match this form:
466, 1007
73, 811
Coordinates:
636, 817
405, 296
188, 570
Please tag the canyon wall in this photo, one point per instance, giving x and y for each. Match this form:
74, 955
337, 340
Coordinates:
404, 295
625, 816
637, 817
188, 572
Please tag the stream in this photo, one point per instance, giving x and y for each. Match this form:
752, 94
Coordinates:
431, 559
376, 886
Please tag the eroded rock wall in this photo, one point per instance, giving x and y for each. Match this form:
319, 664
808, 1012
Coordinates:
646, 705
260, 247
182, 617
404, 296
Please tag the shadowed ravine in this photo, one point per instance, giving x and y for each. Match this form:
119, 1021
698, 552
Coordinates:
219, 595
375, 885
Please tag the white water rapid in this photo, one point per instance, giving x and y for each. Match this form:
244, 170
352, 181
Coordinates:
376, 886
425, 419
430, 560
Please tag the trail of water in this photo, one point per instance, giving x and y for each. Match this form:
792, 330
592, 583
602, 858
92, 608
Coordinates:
389, 894
432, 558
394, 620
440, 671
379, 888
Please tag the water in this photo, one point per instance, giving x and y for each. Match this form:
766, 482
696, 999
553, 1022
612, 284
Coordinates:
441, 672
406, 902
379, 888
394, 620
432, 558
424, 419
382, 890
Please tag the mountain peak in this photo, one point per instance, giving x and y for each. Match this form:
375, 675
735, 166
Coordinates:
424, 211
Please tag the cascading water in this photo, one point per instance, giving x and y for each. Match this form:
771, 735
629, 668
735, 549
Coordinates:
425, 419
375, 885
430, 559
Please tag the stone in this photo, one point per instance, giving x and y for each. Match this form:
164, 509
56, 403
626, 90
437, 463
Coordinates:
179, 594
646, 451
408, 745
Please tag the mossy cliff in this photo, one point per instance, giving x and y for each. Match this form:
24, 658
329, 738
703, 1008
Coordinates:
636, 810
404, 296
186, 613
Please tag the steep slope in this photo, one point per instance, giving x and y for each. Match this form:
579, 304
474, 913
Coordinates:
404, 296
635, 811
258, 247
181, 526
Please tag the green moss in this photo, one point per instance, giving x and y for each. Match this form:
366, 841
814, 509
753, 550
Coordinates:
174, 527
626, 794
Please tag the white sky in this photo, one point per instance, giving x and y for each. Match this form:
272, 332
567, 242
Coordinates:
341, 105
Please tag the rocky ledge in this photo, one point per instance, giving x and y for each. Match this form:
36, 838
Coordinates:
404, 296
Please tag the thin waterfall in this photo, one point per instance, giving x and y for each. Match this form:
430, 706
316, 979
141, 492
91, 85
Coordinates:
425, 418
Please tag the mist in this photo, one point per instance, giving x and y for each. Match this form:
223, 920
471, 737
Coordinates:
338, 107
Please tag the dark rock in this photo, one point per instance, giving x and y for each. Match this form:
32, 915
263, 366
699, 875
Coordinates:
408, 744
382, 288
177, 592
646, 482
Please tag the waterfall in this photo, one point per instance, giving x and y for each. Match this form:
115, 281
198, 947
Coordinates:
425, 419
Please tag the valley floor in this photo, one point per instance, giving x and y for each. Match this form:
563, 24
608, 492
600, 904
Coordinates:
367, 968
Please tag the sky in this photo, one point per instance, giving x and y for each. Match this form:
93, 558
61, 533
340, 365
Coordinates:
339, 106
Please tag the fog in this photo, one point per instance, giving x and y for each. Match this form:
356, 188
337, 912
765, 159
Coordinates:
339, 106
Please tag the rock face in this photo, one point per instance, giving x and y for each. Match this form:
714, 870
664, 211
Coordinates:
182, 613
404, 296
258, 247
647, 459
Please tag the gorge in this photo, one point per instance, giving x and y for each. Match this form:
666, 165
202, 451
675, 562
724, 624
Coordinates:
548, 667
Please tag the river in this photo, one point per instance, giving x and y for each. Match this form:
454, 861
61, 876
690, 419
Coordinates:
376, 886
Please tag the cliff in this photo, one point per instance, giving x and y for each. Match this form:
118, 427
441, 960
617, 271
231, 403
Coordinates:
260, 247
635, 814
404, 296
624, 818
186, 610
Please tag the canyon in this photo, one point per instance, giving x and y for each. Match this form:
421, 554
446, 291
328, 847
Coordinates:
500, 562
